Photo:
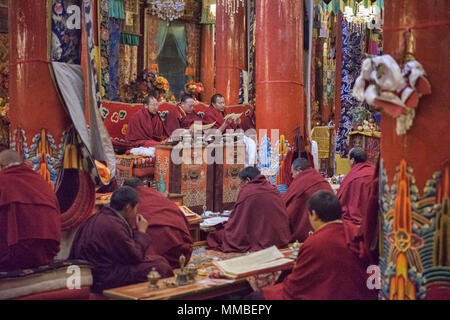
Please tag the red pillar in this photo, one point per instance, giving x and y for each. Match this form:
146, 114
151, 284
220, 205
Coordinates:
207, 66
35, 107
280, 97
419, 217
231, 53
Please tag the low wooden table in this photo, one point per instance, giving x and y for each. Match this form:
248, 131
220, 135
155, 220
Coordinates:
204, 288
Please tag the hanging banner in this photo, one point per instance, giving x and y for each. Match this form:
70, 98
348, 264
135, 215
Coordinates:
101, 146
66, 31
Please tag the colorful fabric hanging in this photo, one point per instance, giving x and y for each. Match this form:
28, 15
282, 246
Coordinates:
129, 39
104, 48
351, 65
66, 32
116, 9
114, 51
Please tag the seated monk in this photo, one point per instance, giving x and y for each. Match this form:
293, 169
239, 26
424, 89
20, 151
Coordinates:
326, 268
146, 129
168, 228
187, 115
216, 113
114, 248
259, 218
354, 190
30, 219
306, 182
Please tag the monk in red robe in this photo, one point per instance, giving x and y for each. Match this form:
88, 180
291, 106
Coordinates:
169, 114
116, 250
258, 221
187, 115
216, 113
326, 268
306, 182
354, 190
146, 129
298, 150
168, 227
30, 219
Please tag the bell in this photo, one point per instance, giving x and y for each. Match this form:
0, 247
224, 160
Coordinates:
153, 278
182, 278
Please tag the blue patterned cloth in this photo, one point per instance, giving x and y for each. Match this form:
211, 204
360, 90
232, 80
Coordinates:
114, 51
66, 38
352, 42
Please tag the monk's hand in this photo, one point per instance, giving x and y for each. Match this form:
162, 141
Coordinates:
238, 121
141, 223
229, 121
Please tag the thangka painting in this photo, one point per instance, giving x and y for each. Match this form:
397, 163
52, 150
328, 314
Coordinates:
415, 227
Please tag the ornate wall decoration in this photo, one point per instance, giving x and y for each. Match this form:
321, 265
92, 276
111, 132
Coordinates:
415, 233
43, 152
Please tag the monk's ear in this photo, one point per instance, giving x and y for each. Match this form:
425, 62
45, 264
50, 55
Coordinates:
313, 215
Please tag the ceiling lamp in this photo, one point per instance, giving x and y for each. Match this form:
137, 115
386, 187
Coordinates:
168, 9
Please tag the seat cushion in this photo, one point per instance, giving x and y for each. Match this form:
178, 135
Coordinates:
54, 278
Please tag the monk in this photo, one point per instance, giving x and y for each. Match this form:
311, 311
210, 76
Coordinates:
216, 113
109, 241
168, 227
306, 181
30, 218
299, 150
326, 268
187, 115
259, 218
146, 129
354, 190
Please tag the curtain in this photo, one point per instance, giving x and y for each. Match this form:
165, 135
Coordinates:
163, 28
179, 32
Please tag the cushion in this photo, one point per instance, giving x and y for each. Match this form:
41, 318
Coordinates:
116, 116
50, 278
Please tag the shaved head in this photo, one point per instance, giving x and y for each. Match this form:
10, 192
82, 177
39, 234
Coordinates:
8, 157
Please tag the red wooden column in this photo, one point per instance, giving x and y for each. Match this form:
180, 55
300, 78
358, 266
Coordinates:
280, 97
417, 222
231, 37
37, 116
207, 65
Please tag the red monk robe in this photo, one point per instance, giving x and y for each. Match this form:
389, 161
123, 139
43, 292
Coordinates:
30, 219
258, 221
304, 185
146, 129
354, 192
116, 251
326, 269
187, 119
169, 113
248, 121
168, 228
214, 115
